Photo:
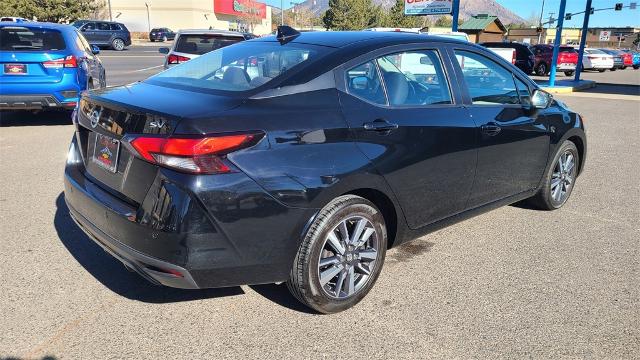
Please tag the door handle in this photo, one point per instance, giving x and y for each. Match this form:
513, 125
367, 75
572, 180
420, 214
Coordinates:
380, 125
490, 129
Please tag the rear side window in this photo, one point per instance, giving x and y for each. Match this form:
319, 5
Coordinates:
488, 82
26, 39
203, 43
363, 81
115, 27
414, 78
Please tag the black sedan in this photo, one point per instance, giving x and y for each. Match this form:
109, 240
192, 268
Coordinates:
302, 158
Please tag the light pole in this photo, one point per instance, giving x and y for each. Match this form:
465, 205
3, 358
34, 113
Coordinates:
148, 17
110, 17
281, 12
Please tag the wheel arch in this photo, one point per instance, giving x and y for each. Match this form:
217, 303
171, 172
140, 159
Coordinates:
386, 207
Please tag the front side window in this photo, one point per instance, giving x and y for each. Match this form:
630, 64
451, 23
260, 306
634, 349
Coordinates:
241, 67
414, 78
89, 26
363, 81
487, 82
103, 26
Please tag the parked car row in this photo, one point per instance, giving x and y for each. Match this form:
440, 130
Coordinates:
537, 59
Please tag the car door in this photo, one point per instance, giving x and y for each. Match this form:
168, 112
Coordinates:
93, 64
513, 138
90, 33
407, 118
104, 32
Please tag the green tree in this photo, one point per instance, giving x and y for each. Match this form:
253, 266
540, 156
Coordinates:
349, 14
397, 18
51, 10
446, 21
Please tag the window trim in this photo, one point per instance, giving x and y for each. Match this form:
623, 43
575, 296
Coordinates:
374, 55
494, 58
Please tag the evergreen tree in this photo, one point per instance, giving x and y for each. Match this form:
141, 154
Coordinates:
51, 10
350, 15
397, 18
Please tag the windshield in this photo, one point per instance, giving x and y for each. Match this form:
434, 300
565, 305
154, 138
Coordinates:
453, 36
240, 67
26, 39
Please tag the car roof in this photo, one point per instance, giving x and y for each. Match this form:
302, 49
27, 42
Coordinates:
338, 39
40, 25
212, 31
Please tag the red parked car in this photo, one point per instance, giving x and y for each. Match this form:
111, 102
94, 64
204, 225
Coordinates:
627, 58
567, 59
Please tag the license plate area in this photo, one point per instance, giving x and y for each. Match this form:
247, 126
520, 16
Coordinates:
106, 151
15, 69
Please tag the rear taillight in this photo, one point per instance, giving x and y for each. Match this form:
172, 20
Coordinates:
67, 62
201, 155
177, 59
513, 57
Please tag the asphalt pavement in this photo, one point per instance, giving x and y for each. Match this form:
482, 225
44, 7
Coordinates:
513, 283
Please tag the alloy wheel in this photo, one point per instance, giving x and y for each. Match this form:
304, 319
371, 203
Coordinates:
348, 257
118, 44
563, 176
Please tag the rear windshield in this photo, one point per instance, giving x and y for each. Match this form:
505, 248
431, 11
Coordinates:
26, 39
157, 29
203, 43
567, 49
594, 51
240, 67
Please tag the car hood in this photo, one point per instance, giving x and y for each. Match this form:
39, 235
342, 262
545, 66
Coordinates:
145, 97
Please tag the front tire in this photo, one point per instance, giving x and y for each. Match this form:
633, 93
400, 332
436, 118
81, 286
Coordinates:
602, 70
341, 255
117, 44
559, 179
541, 69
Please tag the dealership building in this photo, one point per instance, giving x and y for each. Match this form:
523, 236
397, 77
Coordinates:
234, 15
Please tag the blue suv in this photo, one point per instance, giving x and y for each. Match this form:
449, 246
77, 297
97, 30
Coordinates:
45, 65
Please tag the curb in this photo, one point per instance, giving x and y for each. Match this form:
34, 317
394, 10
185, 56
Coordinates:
566, 87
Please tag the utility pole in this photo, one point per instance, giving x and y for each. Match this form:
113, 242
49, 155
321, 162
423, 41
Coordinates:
456, 14
540, 22
583, 40
556, 44
148, 17
281, 12
110, 17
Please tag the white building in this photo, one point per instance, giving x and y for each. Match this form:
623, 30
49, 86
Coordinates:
142, 15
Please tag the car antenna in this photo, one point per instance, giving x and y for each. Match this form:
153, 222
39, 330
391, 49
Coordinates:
286, 33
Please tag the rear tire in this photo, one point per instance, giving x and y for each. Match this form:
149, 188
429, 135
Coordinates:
602, 70
636, 67
568, 73
559, 179
341, 255
613, 69
117, 44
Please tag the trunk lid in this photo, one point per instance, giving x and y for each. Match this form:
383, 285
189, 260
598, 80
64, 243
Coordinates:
107, 116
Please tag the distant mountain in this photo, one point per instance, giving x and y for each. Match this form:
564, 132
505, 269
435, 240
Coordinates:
468, 8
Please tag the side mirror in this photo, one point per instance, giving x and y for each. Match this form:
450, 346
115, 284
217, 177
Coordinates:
95, 50
163, 50
360, 83
541, 99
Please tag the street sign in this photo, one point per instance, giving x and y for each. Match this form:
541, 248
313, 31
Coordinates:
428, 7
605, 35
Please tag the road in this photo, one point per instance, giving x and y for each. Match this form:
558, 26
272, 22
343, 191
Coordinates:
513, 283
133, 64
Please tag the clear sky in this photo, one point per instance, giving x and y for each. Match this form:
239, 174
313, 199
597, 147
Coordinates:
526, 8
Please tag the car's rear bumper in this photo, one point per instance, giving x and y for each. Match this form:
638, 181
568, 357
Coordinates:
188, 235
566, 67
34, 95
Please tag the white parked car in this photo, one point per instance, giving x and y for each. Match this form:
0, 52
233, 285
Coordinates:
594, 59
189, 44
13, 19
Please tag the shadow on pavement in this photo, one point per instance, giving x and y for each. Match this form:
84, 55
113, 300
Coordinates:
616, 89
28, 118
112, 274
280, 295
